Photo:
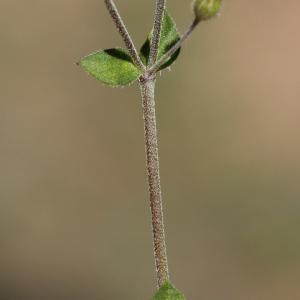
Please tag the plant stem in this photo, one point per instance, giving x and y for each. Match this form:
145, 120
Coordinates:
158, 19
113, 11
155, 67
147, 84
152, 161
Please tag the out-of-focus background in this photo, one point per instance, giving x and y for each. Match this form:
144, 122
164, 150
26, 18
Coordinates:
74, 217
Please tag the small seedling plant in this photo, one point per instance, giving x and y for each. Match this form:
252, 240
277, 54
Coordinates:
121, 67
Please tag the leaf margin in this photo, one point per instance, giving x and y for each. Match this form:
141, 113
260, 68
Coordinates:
116, 55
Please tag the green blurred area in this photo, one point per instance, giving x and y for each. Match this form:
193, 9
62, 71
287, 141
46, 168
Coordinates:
74, 214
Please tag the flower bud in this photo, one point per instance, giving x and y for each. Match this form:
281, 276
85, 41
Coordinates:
206, 9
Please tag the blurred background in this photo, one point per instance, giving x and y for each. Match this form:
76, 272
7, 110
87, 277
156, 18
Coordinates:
74, 217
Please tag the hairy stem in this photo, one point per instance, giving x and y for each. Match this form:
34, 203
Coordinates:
158, 19
113, 11
154, 68
152, 162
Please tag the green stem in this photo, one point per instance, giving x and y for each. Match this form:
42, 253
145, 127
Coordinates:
152, 162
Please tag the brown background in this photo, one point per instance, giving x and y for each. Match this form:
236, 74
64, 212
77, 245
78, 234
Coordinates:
74, 219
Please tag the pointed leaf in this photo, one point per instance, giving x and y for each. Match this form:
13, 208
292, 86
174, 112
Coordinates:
112, 67
168, 292
169, 37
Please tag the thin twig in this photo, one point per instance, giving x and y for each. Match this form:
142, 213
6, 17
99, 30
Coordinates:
158, 20
166, 56
152, 162
113, 11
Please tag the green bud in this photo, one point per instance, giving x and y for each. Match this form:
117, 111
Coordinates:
206, 9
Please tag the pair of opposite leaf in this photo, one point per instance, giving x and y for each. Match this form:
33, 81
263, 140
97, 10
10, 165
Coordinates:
115, 67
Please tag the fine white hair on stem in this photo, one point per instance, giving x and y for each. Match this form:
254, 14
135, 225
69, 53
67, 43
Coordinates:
158, 20
155, 195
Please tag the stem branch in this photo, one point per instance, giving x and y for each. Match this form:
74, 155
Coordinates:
152, 161
158, 19
113, 11
155, 67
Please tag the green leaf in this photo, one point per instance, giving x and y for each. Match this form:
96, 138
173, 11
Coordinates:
169, 37
168, 292
112, 67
